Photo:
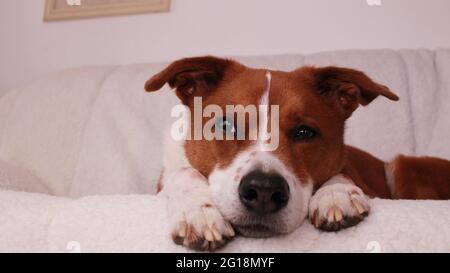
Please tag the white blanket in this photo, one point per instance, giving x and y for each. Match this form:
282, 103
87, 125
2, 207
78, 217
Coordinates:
94, 131
137, 223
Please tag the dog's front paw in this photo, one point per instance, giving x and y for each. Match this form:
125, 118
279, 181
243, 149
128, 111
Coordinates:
202, 228
337, 206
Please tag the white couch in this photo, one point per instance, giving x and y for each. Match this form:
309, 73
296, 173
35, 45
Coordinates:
80, 153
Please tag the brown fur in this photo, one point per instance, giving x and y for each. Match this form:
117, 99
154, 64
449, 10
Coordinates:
322, 98
421, 177
367, 172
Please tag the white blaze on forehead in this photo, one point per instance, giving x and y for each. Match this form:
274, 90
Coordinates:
263, 114
265, 96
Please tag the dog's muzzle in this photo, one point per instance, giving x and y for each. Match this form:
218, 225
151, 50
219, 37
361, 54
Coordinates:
263, 193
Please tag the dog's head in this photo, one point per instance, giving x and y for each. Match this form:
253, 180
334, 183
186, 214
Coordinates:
266, 191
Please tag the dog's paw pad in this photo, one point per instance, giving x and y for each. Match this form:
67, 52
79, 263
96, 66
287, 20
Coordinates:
203, 229
338, 206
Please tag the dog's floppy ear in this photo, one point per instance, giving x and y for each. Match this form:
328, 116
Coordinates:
190, 76
348, 87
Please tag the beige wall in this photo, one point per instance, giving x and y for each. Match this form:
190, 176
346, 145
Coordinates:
30, 49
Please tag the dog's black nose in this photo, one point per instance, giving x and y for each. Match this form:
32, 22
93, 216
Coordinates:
263, 193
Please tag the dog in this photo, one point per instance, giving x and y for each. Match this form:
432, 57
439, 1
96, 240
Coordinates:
217, 188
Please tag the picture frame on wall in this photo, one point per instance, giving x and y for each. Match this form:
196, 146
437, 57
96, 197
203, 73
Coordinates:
77, 9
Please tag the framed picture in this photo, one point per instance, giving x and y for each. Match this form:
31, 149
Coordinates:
76, 9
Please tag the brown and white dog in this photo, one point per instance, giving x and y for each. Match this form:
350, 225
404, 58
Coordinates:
217, 187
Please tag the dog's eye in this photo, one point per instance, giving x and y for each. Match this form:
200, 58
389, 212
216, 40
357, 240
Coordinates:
226, 125
303, 132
